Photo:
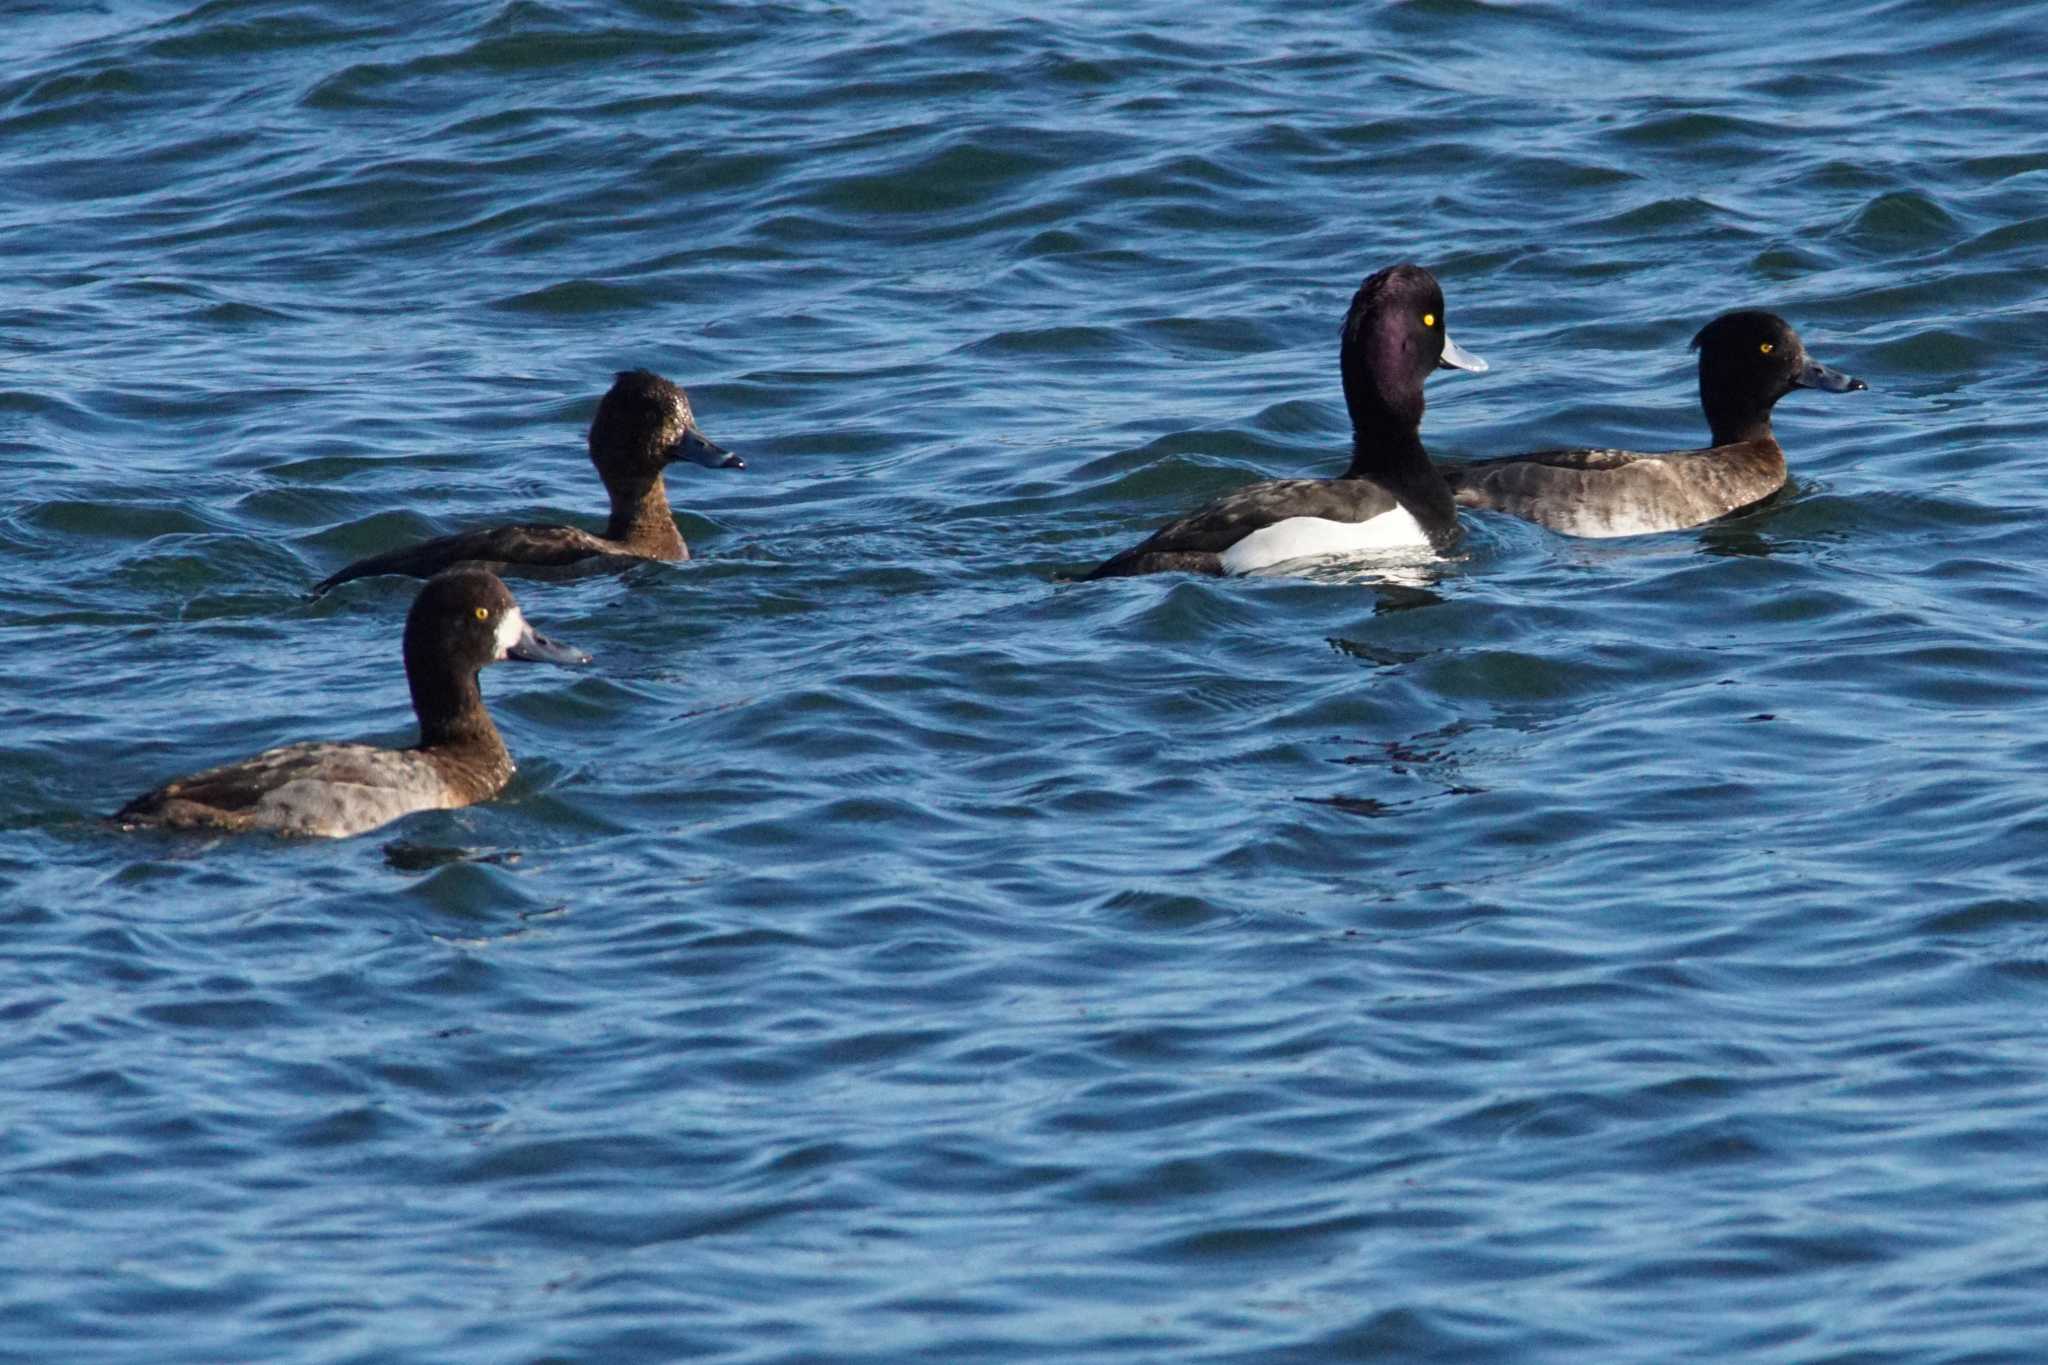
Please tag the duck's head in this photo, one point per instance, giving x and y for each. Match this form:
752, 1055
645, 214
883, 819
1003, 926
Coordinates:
465, 618
1395, 336
643, 424
1749, 359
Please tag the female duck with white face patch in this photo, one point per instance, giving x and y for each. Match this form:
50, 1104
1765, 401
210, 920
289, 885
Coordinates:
1748, 361
1391, 497
461, 621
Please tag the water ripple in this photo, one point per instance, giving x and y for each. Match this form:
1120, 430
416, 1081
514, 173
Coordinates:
891, 950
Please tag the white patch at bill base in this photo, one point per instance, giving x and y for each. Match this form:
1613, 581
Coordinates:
510, 627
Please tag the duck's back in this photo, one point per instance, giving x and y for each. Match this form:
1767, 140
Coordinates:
504, 550
328, 789
1602, 493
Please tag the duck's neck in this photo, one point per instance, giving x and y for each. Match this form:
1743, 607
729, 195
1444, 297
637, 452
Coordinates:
1733, 420
642, 522
450, 706
1391, 455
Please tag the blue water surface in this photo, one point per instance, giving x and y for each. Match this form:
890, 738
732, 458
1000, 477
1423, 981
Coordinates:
1587, 951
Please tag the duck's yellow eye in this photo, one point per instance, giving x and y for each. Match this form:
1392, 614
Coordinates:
1429, 319
483, 613
1766, 348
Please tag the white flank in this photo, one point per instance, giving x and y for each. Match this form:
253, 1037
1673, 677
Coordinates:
1593, 526
1313, 537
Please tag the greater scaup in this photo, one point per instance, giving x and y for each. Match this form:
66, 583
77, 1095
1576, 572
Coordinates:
1748, 361
461, 621
643, 423
1390, 497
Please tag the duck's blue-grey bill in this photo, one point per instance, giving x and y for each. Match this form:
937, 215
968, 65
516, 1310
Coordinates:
1456, 357
695, 448
1814, 375
539, 649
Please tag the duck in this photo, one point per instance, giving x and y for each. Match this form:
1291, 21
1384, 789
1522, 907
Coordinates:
461, 621
1749, 359
1389, 498
643, 424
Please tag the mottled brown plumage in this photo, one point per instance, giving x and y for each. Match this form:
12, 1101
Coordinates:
642, 425
461, 621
